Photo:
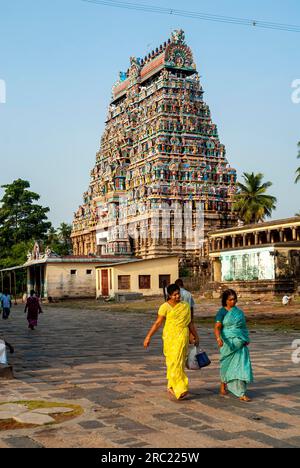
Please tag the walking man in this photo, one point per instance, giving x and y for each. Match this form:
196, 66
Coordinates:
186, 296
6, 305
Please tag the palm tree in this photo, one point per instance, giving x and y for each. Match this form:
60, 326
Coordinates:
52, 237
64, 236
64, 232
298, 170
252, 203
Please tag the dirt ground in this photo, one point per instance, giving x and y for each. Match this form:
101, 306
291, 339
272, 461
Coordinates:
270, 314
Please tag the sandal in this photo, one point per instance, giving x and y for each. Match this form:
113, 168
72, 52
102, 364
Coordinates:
245, 398
171, 394
223, 390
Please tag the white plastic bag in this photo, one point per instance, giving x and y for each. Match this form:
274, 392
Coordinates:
3, 358
191, 362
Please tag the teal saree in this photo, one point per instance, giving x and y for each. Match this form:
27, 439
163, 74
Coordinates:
236, 368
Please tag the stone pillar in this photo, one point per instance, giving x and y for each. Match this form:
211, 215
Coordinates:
29, 284
256, 237
233, 241
269, 236
45, 281
244, 240
284, 236
217, 270
294, 231
281, 235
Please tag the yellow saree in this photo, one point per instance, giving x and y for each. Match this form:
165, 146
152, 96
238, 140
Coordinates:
176, 342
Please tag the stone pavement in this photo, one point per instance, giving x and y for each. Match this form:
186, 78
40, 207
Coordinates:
96, 360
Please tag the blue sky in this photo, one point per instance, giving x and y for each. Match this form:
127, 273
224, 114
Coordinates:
60, 58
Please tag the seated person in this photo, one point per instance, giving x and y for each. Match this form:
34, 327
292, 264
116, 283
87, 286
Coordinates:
286, 300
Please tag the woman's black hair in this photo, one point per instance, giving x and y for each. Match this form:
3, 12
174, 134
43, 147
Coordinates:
226, 294
172, 288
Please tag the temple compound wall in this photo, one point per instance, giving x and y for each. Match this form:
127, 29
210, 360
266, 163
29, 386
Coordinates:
161, 179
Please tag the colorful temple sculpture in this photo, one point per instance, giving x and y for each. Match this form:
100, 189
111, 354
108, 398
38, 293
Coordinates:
161, 179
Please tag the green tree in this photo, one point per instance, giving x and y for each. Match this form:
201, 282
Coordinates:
64, 235
298, 170
20, 218
52, 238
21, 222
252, 204
59, 240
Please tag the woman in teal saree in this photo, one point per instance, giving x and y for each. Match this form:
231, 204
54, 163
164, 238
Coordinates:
233, 340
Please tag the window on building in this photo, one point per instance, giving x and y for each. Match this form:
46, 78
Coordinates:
123, 282
73, 272
144, 282
164, 279
88, 272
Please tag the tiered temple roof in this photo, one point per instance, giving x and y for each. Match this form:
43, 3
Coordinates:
159, 148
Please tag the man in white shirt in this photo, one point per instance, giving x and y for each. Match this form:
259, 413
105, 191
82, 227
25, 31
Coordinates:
286, 300
186, 296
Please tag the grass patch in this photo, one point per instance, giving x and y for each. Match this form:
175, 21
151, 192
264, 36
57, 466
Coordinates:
10, 424
140, 306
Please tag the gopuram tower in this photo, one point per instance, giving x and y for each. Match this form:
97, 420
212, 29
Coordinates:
161, 178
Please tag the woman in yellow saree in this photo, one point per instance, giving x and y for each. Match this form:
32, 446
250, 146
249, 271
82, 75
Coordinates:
178, 326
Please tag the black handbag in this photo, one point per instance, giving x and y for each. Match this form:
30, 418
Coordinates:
203, 359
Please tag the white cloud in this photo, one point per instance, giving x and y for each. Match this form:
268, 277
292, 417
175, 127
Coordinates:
296, 93
2, 92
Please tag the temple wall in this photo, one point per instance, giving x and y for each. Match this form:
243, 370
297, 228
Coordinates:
153, 268
261, 260
263, 289
60, 283
248, 264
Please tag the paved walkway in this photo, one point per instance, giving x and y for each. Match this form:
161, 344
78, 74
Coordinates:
96, 359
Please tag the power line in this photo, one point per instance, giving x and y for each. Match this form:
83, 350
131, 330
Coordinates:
197, 15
